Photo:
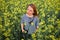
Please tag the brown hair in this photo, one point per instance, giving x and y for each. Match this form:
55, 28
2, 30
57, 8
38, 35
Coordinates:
34, 9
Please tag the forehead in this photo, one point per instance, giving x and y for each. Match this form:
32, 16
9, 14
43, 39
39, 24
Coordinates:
30, 8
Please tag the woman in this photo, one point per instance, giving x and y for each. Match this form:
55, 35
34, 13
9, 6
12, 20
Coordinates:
29, 21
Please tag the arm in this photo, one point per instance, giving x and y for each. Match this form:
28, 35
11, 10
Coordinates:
22, 27
37, 23
22, 24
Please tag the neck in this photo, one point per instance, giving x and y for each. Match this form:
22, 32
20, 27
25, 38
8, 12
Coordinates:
29, 15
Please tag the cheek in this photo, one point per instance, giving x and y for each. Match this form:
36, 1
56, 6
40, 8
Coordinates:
28, 11
31, 12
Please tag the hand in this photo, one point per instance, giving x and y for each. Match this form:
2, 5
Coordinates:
37, 27
22, 30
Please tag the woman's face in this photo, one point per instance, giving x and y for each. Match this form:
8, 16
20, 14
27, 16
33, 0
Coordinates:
30, 10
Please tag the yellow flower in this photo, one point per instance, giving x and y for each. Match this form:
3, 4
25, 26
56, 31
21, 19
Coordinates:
25, 23
33, 35
32, 23
25, 31
22, 39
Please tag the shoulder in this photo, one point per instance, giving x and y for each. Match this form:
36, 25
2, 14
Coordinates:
36, 17
23, 15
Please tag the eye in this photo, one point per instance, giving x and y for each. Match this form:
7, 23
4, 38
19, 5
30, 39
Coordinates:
30, 10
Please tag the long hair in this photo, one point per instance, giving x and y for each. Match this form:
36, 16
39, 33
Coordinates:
34, 9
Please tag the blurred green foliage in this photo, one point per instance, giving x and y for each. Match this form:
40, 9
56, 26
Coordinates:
49, 17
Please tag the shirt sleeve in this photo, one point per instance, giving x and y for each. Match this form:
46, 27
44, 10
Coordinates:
22, 19
37, 22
